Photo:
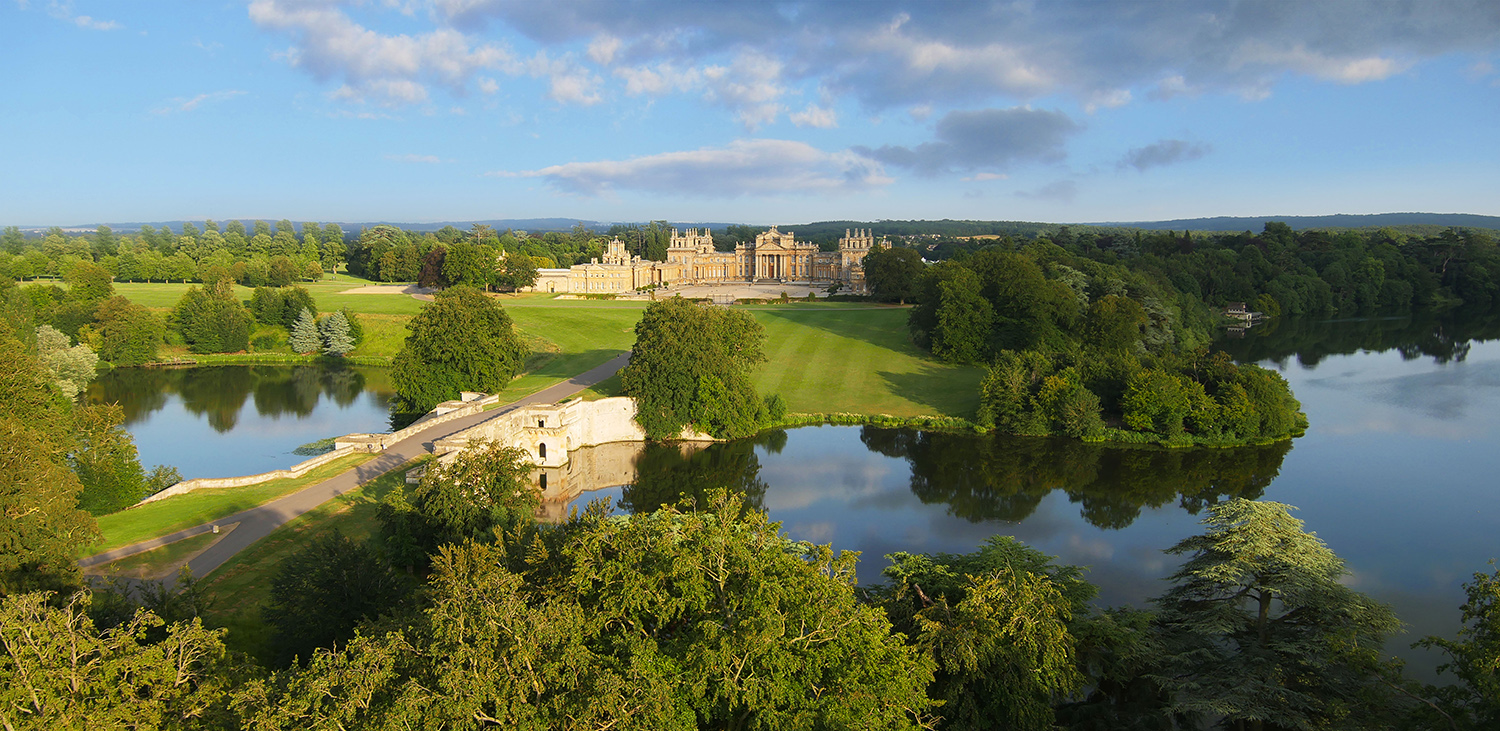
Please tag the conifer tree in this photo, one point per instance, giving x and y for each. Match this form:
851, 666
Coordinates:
304, 338
336, 338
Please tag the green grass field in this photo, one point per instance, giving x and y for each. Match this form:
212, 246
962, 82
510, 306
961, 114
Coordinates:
200, 506
239, 588
857, 359
160, 562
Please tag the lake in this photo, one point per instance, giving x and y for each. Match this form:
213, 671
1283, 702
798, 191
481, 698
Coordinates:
225, 421
1397, 474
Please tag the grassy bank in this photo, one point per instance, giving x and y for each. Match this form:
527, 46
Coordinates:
200, 506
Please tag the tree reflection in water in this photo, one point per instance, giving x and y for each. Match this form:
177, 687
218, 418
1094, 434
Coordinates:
666, 473
219, 393
1445, 338
1000, 477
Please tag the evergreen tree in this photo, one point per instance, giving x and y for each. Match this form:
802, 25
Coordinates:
335, 333
1261, 632
304, 337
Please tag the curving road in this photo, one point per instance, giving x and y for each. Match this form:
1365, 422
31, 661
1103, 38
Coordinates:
258, 522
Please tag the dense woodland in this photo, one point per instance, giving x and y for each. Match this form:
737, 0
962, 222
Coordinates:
1102, 335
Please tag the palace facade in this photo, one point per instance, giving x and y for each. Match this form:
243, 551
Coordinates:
774, 257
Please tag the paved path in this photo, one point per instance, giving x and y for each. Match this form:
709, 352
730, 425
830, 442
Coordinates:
257, 523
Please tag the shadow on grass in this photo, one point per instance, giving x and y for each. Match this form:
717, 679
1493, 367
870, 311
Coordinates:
944, 389
567, 365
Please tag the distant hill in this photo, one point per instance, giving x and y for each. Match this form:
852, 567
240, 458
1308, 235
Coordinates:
825, 232
1341, 220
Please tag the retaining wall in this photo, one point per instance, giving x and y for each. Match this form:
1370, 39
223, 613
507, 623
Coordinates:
201, 483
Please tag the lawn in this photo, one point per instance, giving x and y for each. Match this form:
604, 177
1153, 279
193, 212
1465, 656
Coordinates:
159, 563
201, 506
583, 337
857, 359
326, 292
239, 588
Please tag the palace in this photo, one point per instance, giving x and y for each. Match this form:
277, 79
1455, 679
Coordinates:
691, 260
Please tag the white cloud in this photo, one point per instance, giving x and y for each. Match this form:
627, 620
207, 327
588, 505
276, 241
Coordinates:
1342, 69
757, 167
981, 177
424, 159
568, 82
1111, 99
392, 68
84, 21
488, 85
751, 86
603, 49
181, 104
815, 116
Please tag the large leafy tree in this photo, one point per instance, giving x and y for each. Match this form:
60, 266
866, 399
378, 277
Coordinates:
996, 622
665, 620
42, 528
892, 273
691, 366
212, 320
57, 670
323, 591
129, 334
463, 341
1260, 632
485, 487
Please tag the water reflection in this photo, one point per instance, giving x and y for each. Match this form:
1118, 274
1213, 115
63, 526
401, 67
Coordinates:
976, 478
220, 421
1444, 338
219, 393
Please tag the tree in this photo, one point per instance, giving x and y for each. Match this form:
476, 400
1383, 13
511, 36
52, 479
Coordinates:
964, 319
691, 366
517, 271
70, 367
463, 341
212, 320
88, 281
323, 591
996, 623
304, 336
1260, 631
43, 527
485, 488
674, 620
1474, 658
431, 276
892, 273
106, 462
58, 671
470, 265
334, 331
1114, 322
129, 334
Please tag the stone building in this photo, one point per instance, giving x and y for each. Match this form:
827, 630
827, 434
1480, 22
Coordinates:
774, 257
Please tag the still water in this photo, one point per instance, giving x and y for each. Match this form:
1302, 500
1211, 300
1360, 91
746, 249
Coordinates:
224, 421
1397, 474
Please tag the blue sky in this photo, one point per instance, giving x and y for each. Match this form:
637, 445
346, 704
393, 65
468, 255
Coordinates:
744, 111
